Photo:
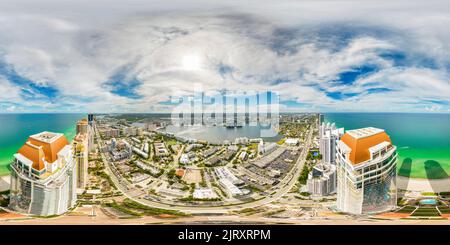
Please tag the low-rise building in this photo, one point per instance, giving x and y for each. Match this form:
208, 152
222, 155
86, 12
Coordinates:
241, 141
225, 173
230, 188
267, 148
192, 147
209, 152
215, 160
81, 154
160, 149
266, 160
243, 156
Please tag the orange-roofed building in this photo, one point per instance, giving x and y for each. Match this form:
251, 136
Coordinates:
42, 175
366, 171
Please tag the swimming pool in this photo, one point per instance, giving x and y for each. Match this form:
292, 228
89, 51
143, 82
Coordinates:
428, 202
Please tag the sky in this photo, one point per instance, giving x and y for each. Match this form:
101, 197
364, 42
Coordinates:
139, 56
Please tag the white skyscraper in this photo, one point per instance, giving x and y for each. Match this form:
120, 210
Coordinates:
43, 176
366, 172
322, 180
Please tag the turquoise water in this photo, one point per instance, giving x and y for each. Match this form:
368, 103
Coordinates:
428, 202
422, 140
15, 129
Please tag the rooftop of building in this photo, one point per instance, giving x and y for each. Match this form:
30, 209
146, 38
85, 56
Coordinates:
42, 147
364, 132
46, 137
360, 143
80, 137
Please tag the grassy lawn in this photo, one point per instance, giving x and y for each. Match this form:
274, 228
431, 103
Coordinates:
426, 212
429, 194
444, 209
406, 209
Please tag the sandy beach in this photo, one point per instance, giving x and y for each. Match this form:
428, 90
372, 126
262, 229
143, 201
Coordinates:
4, 182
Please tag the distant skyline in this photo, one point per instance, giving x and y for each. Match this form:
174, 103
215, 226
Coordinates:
137, 56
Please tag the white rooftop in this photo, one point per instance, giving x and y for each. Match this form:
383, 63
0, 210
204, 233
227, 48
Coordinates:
291, 141
364, 132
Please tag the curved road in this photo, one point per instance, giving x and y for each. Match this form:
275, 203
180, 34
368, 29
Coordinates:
281, 189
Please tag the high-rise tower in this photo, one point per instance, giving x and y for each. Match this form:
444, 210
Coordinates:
43, 176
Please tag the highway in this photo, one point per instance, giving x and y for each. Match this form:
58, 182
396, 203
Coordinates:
280, 189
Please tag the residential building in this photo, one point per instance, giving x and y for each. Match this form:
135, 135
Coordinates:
322, 180
43, 176
81, 155
366, 172
291, 141
131, 131
241, 141
267, 148
122, 150
160, 149
243, 156
184, 159
328, 136
82, 126
110, 132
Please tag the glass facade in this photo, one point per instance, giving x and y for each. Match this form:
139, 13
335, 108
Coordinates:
380, 194
369, 189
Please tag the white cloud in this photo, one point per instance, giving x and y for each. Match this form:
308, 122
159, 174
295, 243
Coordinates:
289, 47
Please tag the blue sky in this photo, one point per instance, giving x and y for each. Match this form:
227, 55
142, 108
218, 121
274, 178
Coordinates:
109, 56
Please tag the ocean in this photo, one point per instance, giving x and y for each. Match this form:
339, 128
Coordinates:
15, 129
422, 139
